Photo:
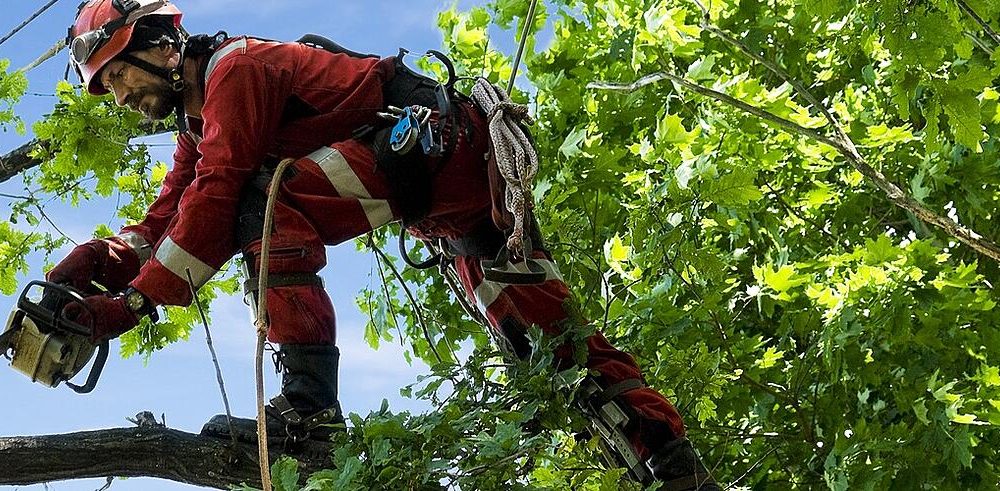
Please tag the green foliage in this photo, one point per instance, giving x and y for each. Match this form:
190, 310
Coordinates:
486, 435
86, 151
87, 138
811, 333
12, 87
177, 322
14, 246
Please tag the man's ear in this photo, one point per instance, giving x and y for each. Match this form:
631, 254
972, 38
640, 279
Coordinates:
167, 52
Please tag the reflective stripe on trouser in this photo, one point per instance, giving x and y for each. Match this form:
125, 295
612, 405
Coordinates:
545, 305
353, 201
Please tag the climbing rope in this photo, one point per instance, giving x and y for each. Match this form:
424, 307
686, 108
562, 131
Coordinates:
516, 157
529, 20
262, 323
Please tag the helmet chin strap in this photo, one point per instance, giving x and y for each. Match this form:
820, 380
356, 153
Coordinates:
174, 78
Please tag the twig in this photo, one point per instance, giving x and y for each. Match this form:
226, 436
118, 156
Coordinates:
41, 211
417, 309
211, 349
480, 468
794, 212
107, 484
752, 467
388, 299
979, 42
985, 25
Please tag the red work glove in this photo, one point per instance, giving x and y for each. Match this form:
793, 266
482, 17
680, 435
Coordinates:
110, 262
111, 316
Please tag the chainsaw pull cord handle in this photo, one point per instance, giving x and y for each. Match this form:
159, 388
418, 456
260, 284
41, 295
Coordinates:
262, 321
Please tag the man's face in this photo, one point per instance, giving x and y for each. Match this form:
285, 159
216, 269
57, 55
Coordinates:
138, 89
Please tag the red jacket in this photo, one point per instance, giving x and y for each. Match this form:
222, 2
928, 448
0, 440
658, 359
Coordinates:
262, 99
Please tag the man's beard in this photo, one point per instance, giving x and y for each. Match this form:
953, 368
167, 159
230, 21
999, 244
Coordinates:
164, 100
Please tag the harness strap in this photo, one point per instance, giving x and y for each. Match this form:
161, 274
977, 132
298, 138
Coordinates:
283, 279
615, 390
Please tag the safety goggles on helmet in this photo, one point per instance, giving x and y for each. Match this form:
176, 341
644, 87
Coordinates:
83, 46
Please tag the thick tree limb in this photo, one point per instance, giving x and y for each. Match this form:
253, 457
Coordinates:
151, 451
17, 161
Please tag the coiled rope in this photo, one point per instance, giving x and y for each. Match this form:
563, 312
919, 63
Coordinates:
516, 157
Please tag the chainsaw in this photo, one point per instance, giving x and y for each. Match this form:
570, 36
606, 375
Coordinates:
45, 346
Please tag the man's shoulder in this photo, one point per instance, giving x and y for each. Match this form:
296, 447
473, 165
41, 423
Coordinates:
248, 50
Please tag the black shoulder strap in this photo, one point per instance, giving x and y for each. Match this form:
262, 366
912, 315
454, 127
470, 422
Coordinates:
329, 45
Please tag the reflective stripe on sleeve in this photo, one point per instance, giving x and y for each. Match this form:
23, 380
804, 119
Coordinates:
240, 44
138, 244
179, 262
348, 185
488, 291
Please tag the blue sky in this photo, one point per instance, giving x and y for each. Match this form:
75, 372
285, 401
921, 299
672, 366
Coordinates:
180, 382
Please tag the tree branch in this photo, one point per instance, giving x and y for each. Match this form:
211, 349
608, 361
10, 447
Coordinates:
841, 141
149, 451
19, 160
721, 97
986, 27
54, 50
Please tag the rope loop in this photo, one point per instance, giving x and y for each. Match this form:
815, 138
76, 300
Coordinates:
516, 156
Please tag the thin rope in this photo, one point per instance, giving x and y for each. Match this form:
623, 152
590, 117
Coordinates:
516, 157
262, 323
529, 20
215, 358
28, 20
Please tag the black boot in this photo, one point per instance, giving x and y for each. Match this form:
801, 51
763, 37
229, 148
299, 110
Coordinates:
677, 465
306, 407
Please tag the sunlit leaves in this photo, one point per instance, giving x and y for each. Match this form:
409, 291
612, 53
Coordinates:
12, 87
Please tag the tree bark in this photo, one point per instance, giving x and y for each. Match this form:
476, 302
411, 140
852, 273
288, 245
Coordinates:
150, 451
17, 161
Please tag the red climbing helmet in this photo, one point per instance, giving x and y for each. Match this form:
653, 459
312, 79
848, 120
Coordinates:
103, 29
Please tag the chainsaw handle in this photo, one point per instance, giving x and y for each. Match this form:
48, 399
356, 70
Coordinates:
49, 314
95, 371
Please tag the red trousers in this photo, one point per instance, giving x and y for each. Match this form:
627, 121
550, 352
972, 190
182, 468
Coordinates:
336, 194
